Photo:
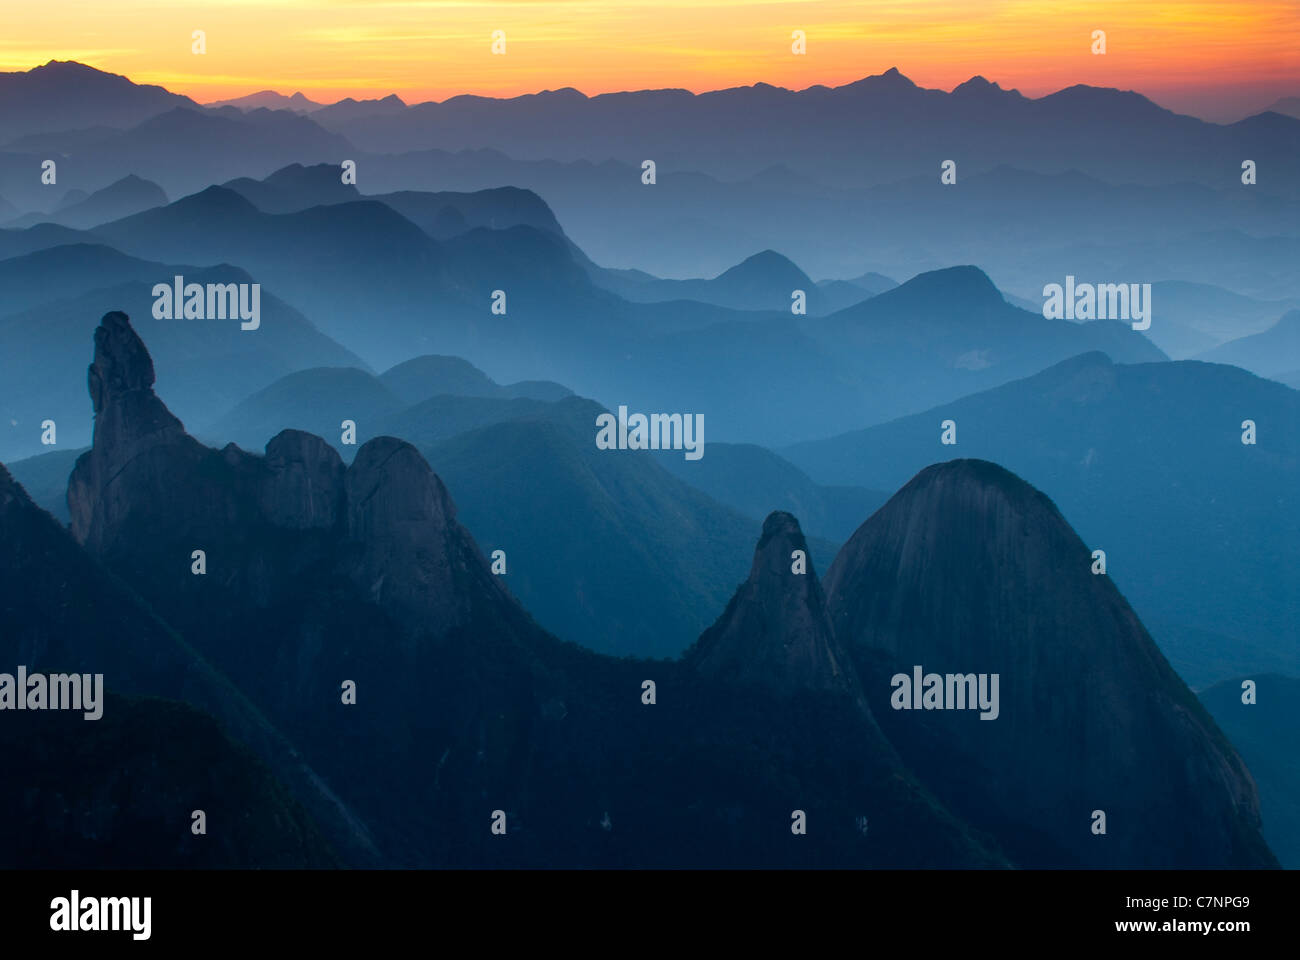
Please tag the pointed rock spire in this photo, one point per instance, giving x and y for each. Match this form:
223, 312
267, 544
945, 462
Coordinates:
775, 631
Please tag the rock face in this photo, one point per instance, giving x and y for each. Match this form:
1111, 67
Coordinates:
413, 559
134, 434
968, 569
776, 631
313, 574
386, 523
304, 489
63, 613
318, 577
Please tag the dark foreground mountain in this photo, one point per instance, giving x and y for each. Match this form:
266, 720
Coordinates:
64, 613
970, 572
318, 576
122, 790
1266, 732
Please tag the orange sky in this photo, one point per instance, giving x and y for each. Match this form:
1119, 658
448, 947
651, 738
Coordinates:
1200, 56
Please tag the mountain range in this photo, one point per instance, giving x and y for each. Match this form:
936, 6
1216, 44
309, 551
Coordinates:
315, 574
1197, 547
369, 585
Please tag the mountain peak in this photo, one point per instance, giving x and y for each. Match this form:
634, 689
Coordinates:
892, 80
217, 199
979, 87
121, 364
970, 571
775, 632
131, 426
766, 267
952, 285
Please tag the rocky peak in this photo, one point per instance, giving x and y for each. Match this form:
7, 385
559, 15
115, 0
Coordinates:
303, 488
968, 570
414, 559
775, 631
131, 427
121, 365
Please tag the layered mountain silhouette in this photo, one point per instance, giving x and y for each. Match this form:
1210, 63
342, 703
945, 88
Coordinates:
424, 400
756, 481
1271, 353
49, 299
347, 638
121, 199
1194, 317
314, 574
442, 215
762, 282
937, 337
65, 95
1200, 548
829, 139
44, 477
1057, 207
1052, 222
615, 519
182, 149
318, 572
270, 100
382, 283
605, 548
970, 571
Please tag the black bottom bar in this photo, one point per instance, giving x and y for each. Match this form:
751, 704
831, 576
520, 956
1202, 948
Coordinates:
335, 909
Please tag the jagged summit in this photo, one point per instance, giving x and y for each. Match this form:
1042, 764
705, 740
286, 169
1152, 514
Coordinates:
980, 88
133, 428
145, 474
775, 631
122, 365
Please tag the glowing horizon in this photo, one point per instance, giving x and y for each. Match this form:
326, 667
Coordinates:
1194, 56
